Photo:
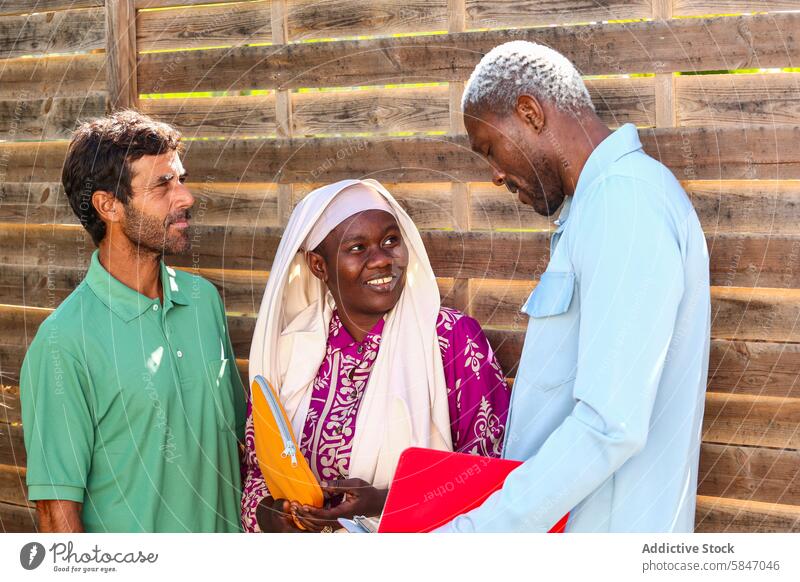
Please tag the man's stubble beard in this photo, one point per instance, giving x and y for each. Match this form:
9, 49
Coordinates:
151, 235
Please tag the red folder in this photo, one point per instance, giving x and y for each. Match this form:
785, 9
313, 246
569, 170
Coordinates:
430, 488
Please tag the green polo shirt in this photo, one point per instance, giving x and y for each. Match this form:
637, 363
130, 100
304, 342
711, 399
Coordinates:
135, 408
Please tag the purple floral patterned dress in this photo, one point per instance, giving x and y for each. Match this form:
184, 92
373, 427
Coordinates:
476, 388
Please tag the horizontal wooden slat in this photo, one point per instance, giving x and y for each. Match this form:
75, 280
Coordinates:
719, 515
762, 421
309, 19
52, 32
72, 75
16, 519
599, 49
150, 4
376, 110
48, 118
35, 202
230, 117
9, 7
691, 153
758, 206
755, 368
755, 314
750, 473
12, 485
702, 7
226, 25
513, 13
737, 100
12, 445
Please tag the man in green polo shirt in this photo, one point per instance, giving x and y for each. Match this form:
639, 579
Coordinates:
132, 405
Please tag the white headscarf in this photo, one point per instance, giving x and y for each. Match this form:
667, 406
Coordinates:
405, 402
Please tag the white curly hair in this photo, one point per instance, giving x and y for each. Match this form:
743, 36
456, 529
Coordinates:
521, 67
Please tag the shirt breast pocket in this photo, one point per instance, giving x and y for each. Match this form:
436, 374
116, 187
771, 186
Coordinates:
550, 353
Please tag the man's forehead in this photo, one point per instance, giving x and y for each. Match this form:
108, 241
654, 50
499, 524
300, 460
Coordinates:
166, 163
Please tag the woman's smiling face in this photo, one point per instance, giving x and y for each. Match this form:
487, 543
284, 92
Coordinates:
363, 261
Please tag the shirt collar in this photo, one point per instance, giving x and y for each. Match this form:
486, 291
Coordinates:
620, 143
124, 301
339, 338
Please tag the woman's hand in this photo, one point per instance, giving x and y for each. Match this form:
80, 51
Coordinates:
274, 516
360, 498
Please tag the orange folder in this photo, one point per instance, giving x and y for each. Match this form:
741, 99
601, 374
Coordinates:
430, 488
283, 465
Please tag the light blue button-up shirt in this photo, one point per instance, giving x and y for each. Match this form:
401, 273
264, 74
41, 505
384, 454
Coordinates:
607, 406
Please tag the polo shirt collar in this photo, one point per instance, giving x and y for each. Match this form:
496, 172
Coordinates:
124, 301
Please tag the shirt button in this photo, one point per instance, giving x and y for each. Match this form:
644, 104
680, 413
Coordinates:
179, 354
155, 307
360, 349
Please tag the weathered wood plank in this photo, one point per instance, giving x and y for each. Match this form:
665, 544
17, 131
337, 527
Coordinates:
48, 118
11, 7
230, 117
13, 489
755, 314
12, 446
755, 368
715, 514
309, 19
226, 25
10, 412
700, 8
150, 4
760, 206
691, 153
759, 421
71, 75
35, 203
513, 13
16, 519
121, 53
738, 100
750, 473
736, 260
12, 486
599, 49
52, 32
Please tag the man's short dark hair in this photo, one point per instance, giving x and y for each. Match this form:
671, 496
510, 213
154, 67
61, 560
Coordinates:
99, 158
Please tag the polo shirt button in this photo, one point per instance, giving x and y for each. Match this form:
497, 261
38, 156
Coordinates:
155, 307
180, 354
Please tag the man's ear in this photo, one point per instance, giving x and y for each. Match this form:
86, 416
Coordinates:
108, 207
317, 265
531, 112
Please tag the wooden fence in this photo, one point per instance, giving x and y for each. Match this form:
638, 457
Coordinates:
288, 94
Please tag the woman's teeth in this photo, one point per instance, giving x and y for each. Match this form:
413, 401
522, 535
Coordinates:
381, 281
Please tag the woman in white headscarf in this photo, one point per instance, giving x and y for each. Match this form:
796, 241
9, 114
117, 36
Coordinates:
364, 358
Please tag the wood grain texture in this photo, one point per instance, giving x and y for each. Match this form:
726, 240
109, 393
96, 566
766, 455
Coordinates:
691, 153
16, 519
373, 110
50, 117
755, 314
750, 473
12, 446
309, 19
755, 368
719, 515
52, 32
763, 421
513, 13
758, 206
149, 4
738, 100
230, 117
10, 412
192, 28
12, 486
72, 75
702, 7
11, 7
601, 49
121, 54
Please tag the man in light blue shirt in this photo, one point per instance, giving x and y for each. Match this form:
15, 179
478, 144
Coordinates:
607, 405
